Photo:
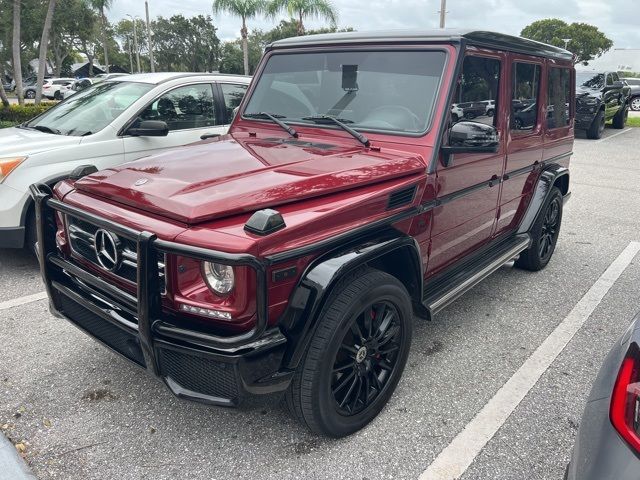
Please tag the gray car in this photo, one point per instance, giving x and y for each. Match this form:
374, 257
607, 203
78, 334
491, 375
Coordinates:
608, 442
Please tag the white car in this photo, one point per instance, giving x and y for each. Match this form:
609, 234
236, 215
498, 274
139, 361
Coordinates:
112, 122
50, 88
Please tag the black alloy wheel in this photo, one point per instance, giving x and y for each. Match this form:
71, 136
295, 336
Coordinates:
367, 358
544, 234
550, 228
356, 355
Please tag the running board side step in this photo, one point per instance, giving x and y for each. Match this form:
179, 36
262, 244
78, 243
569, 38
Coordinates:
467, 276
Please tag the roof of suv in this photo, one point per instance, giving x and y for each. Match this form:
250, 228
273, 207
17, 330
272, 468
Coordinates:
162, 77
476, 37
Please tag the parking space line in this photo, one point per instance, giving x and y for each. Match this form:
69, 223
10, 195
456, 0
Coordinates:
454, 460
614, 135
16, 302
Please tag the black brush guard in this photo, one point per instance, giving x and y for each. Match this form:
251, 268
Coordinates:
193, 363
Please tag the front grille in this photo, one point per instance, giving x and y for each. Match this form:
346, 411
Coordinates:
82, 238
122, 342
199, 374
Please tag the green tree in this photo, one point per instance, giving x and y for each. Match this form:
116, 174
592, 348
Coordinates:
301, 9
101, 6
585, 41
246, 10
185, 44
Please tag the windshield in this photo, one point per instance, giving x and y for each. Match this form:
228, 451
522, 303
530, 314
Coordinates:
372, 90
590, 79
90, 110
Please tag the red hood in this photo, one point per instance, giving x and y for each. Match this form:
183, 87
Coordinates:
241, 174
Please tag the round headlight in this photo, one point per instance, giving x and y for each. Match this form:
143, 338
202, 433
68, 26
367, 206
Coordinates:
220, 278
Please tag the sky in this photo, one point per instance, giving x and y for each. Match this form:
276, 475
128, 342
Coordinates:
618, 19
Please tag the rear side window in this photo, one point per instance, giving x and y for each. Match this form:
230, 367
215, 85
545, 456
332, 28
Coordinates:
524, 98
233, 94
558, 95
477, 90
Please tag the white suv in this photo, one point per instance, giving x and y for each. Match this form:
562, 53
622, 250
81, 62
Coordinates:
109, 123
50, 88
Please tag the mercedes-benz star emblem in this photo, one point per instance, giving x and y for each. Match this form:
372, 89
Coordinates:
140, 182
107, 247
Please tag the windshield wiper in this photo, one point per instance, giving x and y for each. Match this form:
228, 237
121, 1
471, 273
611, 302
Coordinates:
45, 129
275, 118
336, 121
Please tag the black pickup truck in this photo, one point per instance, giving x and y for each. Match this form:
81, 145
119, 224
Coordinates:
600, 97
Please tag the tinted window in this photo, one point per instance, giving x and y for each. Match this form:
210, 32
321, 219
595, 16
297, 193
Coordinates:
632, 81
374, 90
183, 108
477, 90
590, 80
558, 97
524, 98
233, 95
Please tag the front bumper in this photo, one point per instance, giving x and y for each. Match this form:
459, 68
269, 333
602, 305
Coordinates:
584, 120
194, 363
12, 206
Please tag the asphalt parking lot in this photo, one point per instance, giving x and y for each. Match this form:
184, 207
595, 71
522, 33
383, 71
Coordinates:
82, 412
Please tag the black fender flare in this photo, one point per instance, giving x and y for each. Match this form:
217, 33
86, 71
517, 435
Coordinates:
301, 318
548, 178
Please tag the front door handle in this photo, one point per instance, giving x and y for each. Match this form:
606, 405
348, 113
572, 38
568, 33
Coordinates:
494, 180
209, 135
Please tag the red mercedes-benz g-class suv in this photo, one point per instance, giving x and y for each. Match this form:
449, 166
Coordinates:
292, 254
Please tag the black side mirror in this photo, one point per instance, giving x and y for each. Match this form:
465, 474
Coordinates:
470, 137
149, 128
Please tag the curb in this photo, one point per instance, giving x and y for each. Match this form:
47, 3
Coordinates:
12, 466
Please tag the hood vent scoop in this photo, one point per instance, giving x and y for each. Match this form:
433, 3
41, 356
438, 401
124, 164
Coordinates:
401, 197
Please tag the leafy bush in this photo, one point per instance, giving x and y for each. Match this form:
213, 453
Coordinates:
4, 124
22, 113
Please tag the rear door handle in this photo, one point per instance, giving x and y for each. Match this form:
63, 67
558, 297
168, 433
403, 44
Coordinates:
494, 180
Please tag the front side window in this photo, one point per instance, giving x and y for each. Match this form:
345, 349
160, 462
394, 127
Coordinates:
477, 90
233, 94
558, 96
184, 108
90, 110
390, 91
524, 98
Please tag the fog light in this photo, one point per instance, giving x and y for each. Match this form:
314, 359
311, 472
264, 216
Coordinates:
206, 312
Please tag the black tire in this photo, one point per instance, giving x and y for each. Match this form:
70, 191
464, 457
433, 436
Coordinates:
634, 104
57, 95
594, 132
315, 396
454, 117
490, 113
30, 232
620, 120
469, 115
544, 234
30, 94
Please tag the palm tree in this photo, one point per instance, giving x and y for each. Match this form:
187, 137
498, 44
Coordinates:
302, 9
101, 6
44, 44
17, 61
245, 9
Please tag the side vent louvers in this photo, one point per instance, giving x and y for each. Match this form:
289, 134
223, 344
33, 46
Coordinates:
401, 197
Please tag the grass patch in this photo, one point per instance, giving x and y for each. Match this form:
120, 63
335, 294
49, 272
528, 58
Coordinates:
633, 122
